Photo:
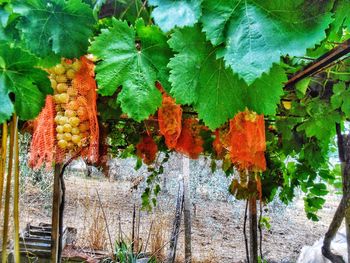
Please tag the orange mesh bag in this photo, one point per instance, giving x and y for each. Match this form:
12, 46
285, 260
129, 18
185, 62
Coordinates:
42, 148
247, 131
147, 149
74, 117
169, 119
190, 142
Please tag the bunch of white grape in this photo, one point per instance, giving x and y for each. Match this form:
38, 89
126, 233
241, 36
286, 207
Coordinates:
72, 125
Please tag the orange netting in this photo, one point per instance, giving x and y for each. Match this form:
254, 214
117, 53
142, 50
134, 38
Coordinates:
169, 118
247, 131
147, 149
190, 142
72, 118
42, 148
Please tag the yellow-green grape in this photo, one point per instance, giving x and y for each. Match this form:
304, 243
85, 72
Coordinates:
70, 73
70, 113
65, 64
57, 99
73, 105
75, 131
62, 144
67, 127
59, 113
64, 97
62, 87
83, 127
59, 69
63, 120
72, 91
59, 136
76, 139
67, 136
61, 79
76, 65
53, 83
57, 119
74, 121
59, 129
58, 107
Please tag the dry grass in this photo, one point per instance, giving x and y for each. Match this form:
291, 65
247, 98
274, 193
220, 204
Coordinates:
158, 238
94, 234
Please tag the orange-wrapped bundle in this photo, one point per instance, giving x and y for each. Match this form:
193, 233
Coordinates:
42, 148
248, 145
73, 115
147, 149
190, 142
169, 119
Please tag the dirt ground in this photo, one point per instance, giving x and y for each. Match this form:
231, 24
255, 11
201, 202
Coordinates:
217, 226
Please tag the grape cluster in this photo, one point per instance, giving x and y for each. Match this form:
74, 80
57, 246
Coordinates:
72, 126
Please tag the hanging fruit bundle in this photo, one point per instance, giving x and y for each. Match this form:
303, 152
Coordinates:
247, 131
221, 143
190, 142
69, 118
169, 119
147, 149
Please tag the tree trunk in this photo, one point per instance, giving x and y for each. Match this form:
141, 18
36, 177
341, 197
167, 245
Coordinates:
346, 187
343, 209
253, 229
176, 225
187, 209
103, 148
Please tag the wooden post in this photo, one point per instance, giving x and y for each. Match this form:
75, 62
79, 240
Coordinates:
13, 127
56, 201
176, 225
253, 229
187, 209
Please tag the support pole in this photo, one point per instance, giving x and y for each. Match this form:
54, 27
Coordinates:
253, 229
187, 209
56, 201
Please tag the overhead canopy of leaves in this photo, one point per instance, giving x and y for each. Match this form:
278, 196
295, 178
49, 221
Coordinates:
257, 32
199, 79
134, 58
18, 76
171, 13
59, 26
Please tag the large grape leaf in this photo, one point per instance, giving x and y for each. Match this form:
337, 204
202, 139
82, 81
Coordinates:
265, 93
257, 32
134, 58
27, 84
198, 78
59, 26
171, 13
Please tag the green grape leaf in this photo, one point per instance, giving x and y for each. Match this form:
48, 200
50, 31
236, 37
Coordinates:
319, 189
256, 33
301, 87
198, 78
321, 121
18, 76
134, 58
171, 13
265, 93
59, 26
